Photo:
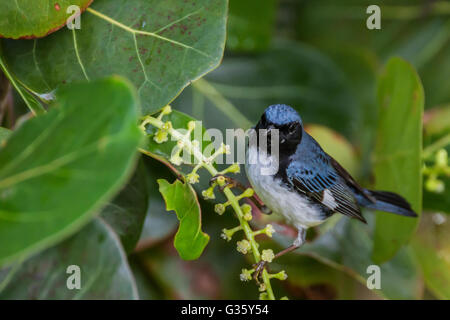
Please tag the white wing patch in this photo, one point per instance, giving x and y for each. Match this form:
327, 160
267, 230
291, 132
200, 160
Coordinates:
328, 200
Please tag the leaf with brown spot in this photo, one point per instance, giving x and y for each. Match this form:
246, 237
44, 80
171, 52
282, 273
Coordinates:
28, 19
173, 43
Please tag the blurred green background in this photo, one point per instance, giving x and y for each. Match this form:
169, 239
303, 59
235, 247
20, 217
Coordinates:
319, 57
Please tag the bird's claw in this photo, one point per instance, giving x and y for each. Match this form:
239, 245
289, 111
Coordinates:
229, 182
259, 267
264, 209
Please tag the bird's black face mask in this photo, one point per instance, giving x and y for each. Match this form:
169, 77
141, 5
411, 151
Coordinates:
289, 135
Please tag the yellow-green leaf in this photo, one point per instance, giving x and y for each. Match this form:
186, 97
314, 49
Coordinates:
190, 240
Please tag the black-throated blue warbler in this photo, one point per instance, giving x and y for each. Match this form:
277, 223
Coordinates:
308, 185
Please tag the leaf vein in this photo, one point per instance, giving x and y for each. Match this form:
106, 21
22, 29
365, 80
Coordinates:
145, 33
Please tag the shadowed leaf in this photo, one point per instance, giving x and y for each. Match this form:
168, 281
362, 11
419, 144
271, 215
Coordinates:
104, 271
126, 212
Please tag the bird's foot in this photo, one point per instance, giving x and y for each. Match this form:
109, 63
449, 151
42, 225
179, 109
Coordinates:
265, 209
259, 267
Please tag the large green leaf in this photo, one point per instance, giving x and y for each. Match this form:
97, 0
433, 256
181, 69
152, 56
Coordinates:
126, 212
398, 153
96, 250
56, 170
161, 46
190, 240
34, 19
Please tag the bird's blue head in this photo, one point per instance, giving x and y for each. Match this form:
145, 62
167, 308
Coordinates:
288, 123
280, 115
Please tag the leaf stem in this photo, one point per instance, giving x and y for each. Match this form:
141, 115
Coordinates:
36, 108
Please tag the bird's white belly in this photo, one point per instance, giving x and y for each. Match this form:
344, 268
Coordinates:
291, 205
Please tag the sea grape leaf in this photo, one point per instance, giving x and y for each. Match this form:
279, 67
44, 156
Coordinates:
28, 19
161, 46
54, 177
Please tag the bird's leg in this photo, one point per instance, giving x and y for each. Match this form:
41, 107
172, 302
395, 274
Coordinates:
259, 267
233, 183
229, 182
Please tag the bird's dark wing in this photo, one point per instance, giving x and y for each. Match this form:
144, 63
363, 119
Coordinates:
349, 180
323, 183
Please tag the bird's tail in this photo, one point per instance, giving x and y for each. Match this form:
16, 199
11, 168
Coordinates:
390, 202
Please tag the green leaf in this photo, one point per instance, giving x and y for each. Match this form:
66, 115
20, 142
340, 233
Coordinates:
104, 270
126, 212
431, 245
4, 134
33, 19
57, 169
180, 197
160, 46
398, 153
251, 24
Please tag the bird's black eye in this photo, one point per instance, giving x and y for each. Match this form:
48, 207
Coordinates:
292, 128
